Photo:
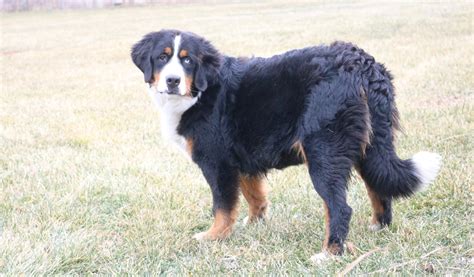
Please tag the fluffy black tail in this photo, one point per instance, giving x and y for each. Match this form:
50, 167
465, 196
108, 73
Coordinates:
381, 168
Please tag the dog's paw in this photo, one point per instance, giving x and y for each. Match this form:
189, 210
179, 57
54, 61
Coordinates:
211, 235
202, 236
251, 220
375, 227
320, 258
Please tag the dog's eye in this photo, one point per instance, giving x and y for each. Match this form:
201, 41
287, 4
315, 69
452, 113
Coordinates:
162, 57
187, 60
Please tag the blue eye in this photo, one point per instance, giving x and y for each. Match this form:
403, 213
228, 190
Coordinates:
187, 60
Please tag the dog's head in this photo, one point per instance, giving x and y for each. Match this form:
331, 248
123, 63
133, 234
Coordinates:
177, 63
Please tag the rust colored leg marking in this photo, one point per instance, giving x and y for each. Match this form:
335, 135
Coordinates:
255, 192
327, 220
377, 207
332, 248
222, 226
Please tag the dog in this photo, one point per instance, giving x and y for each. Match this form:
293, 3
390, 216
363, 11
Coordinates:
331, 108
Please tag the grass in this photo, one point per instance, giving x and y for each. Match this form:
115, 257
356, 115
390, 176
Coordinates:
88, 186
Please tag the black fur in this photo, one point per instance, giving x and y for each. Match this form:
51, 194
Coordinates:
335, 100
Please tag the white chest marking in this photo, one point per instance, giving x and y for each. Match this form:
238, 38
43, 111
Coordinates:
171, 109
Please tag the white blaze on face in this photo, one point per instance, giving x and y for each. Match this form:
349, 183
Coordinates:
173, 69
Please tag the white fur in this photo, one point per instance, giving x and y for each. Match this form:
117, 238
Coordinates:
173, 68
171, 109
375, 227
320, 258
427, 165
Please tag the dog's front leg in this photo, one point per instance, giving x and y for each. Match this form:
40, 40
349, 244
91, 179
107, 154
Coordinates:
224, 183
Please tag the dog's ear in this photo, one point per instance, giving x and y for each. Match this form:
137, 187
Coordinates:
200, 80
141, 56
207, 70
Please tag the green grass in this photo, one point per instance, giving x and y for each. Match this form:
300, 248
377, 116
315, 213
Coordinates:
88, 186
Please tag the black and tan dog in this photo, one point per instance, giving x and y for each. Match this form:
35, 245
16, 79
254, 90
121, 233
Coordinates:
330, 107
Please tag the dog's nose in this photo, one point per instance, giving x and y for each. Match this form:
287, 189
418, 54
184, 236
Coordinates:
173, 81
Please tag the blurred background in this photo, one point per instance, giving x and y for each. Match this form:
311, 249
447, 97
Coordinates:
27, 5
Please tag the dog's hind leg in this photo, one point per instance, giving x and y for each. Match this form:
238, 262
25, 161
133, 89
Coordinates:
330, 169
330, 154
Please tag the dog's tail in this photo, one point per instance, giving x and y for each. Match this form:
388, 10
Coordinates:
381, 168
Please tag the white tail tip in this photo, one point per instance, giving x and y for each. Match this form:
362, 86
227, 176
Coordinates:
427, 165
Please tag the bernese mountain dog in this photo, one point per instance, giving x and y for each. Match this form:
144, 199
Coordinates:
330, 107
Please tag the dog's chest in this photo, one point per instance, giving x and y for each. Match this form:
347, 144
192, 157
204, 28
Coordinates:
169, 130
171, 110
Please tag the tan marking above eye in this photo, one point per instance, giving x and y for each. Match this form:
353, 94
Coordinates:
183, 53
167, 50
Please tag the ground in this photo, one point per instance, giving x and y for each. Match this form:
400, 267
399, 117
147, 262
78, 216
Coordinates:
88, 186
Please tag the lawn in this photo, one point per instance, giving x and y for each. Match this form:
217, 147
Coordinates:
88, 186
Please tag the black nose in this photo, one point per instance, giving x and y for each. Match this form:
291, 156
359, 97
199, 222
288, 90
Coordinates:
173, 81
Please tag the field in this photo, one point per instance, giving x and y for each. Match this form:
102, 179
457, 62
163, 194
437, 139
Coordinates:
88, 186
